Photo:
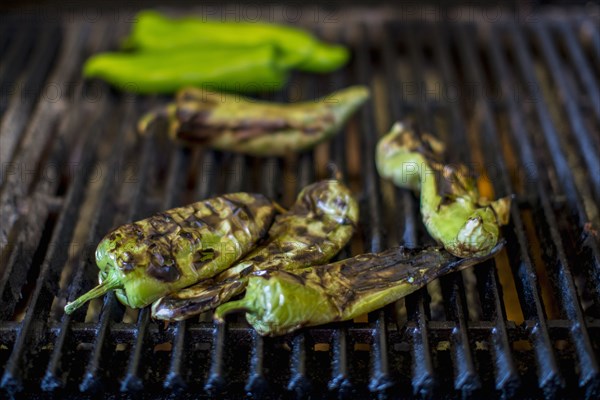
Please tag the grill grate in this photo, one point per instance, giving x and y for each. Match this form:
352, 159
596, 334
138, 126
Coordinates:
518, 100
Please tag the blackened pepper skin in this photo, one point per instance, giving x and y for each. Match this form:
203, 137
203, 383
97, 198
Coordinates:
279, 302
148, 259
454, 213
233, 123
315, 229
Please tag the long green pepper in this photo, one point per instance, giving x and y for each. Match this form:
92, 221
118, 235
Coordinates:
145, 260
315, 229
280, 302
295, 47
238, 124
453, 212
247, 70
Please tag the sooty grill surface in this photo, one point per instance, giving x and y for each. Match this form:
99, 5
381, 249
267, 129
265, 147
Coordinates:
516, 98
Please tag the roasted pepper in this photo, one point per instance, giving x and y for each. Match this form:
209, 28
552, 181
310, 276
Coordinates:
145, 260
453, 212
295, 47
233, 123
317, 226
279, 302
252, 69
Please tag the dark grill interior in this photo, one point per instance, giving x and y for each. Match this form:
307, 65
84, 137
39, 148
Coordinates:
517, 99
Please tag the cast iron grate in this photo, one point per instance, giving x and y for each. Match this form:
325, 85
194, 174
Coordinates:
519, 100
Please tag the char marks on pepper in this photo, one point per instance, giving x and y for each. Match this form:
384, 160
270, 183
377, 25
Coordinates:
163, 268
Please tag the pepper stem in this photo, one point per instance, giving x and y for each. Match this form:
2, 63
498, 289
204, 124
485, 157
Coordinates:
230, 307
98, 291
334, 172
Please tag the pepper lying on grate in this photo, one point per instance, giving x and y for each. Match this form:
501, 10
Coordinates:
279, 302
317, 226
249, 70
145, 260
294, 47
453, 212
238, 124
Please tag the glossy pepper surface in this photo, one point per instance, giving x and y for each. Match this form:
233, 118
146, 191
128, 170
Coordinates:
252, 69
315, 229
234, 123
145, 260
295, 47
279, 302
453, 212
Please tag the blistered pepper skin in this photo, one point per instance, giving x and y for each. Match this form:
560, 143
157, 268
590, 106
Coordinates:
453, 212
234, 123
280, 302
148, 259
311, 232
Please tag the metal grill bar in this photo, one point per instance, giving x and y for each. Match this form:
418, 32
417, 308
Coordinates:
53, 376
466, 379
299, 381
589, 373
380, 380
590, 246
340, 380
92, 378
588, 148
550, 133
506, 376
19, 109
423, 378
583, 68
217, 378
257, 384
54, 259
15, 185
201, 331
549, 375
132, 381
13, 64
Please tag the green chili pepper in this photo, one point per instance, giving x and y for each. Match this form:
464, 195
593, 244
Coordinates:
253, 69
234, 123
295, 47
325, 58
145, 260
318, 225
279, 302
453, 212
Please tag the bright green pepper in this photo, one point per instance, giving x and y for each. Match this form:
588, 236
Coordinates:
325, 58
238, 124
317, 226
453, 212
280, 302
145, 260
296, 48
254, 69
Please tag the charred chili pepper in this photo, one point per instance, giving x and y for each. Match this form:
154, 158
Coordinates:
145, 260
454, 213
233, 123
295, 47
279, 302
252, 69
317, 226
